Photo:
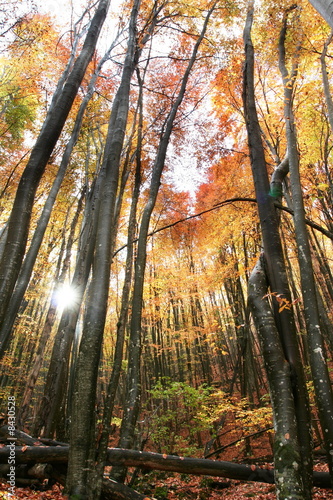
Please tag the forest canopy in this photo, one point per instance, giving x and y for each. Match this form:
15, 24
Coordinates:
166, 235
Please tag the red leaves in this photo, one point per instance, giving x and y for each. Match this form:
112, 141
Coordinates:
27, 494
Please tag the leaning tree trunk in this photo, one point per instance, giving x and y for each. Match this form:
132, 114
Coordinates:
55, 388
50, 316
19, 221
288, 477
125, 301
276, 273
326, 84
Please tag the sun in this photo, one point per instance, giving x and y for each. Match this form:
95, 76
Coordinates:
65, 296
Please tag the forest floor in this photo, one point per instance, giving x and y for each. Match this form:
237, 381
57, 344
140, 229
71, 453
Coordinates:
174, 486
178, 487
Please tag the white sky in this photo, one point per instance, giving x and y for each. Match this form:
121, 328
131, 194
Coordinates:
60, 9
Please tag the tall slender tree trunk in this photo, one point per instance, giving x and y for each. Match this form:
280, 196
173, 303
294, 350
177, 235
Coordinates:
133, 389
55, 388
125, 304
50, 316
327, 92
82, 434
31, 255
288, 473
274, 266
319, 369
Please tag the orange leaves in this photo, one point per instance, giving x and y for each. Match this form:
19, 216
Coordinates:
282, 301
55, 493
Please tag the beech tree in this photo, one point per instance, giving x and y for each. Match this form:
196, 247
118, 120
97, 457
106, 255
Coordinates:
290, 483
132, 404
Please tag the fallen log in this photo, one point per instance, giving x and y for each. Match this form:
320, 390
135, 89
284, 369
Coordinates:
20, 436
29, 476
155, 461
116, 491
33, 454
195, 466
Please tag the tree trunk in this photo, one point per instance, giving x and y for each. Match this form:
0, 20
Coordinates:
286, 446
319, 369
133, 389
275, 268
155, 461
325, 9
55, 389
30, 258
82, 432
125, 303
19, 221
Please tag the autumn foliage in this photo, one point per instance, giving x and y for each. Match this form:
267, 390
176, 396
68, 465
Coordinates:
147, 217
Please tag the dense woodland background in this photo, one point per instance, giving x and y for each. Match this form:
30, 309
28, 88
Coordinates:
166, 227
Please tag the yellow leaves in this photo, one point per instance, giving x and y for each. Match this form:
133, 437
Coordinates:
322, 186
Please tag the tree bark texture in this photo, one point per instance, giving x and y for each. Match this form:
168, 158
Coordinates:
325, 9
31, 255
286, 446
55, 389
81, 459
319, 369
274, 265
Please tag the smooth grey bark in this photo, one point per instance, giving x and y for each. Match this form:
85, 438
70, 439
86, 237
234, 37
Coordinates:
125, 298
31, 255
52, 403
133, 386
19, 221
327, 92
286, 448
82, 431
274, 265
319, 369
325, 9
